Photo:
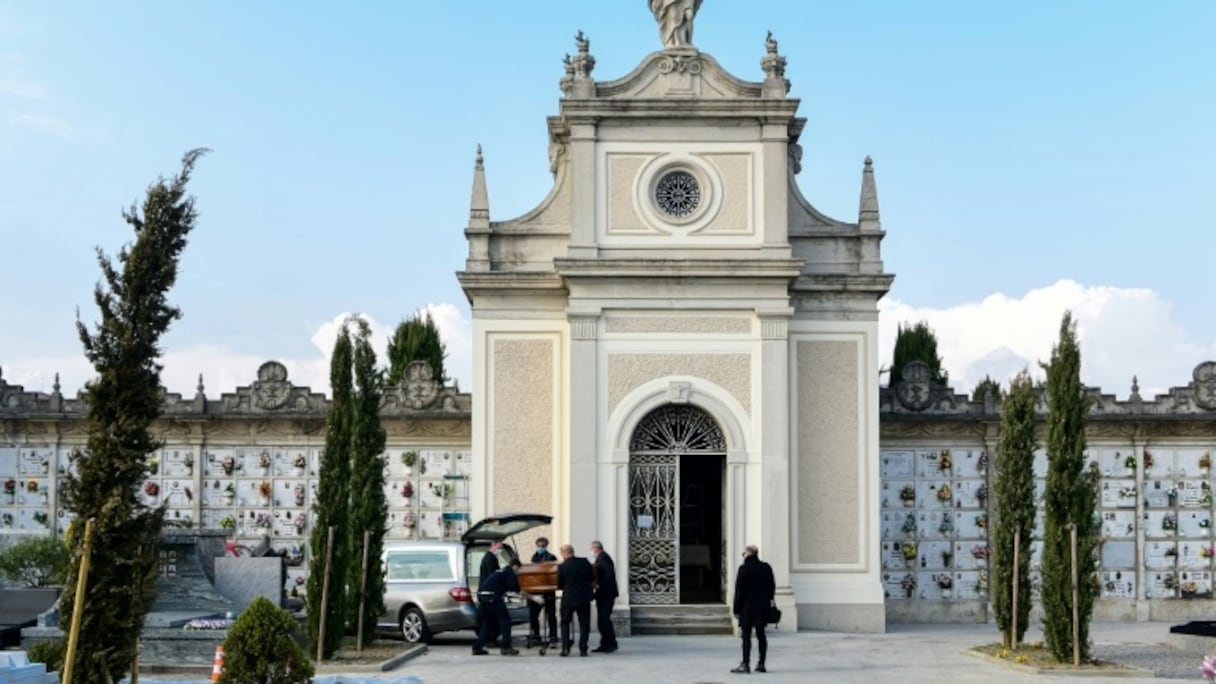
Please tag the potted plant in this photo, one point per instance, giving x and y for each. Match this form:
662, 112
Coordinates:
300, 463
946, 583
907, 495
944, 493
1130, 464
908, 584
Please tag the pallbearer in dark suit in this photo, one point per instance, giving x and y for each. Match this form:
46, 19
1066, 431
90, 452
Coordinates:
489, 565
754, 591
605, 596
574, 579
542, 555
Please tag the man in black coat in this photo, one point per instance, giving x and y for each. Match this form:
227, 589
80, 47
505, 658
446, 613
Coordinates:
542, 555
754, 592
495, 618
574, 579
489, 565
605, 596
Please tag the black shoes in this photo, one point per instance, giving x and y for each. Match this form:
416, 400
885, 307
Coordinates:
480, 651
760, 667
743, 669
509, 651
605, 649
565, 651
582, 652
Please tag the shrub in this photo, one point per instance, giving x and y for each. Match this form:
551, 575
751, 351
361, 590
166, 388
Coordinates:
49, 651
261, 648
36, 562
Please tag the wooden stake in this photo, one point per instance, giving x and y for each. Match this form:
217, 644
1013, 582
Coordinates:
1076, 615
82, 584
329, 561
1017, 580
367, 540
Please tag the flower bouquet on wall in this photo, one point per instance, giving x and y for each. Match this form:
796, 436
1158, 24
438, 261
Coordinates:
908, 584
946, 583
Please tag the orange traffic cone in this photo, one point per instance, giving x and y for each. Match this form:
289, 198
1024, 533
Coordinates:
217, 667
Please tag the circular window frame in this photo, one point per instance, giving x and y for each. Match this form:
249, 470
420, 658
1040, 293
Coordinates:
665, 165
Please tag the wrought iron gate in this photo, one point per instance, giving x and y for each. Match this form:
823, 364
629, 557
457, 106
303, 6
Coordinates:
654, 482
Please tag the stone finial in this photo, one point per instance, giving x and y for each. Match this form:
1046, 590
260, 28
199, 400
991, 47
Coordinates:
567, 81
479, 203
675, 19
1135, 395
776, 85
55, 386
868, 217
199, 387
581, 65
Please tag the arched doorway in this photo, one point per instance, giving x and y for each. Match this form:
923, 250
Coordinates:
677, 462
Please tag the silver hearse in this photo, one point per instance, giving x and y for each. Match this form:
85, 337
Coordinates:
430, 585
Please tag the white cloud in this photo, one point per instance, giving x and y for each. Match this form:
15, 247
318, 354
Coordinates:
45, 123
1123, 332
224, 369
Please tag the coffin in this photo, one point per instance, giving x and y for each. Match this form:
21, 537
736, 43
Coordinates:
538, 578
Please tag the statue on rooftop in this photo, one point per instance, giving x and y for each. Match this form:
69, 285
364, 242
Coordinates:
675, 19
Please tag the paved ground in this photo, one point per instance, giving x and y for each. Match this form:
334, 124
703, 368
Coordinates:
909, 654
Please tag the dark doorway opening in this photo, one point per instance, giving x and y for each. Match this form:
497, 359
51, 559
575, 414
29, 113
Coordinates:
701, 513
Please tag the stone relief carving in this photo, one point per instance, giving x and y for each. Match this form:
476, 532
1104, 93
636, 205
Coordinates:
683, 65
675, 19
1204, 385
271, 390
915, 389
679, 392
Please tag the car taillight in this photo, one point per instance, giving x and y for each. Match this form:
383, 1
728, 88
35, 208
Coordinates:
460, 594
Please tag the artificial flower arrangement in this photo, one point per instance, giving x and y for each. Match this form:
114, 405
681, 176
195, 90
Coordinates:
1130, 462
1189, 588
295, 556
441, 489
944, 493
947, 525
981, 464
1127, 492
908, 583
229, 490
263, 520
300, 461
31, 486
407, 489
1208, 669
980, 552
264, 489
1169, 581
1171, 552
153, 464
945, 581
189, 461
908, 493
944, 463
409, 458
264, 459
40, 518
981, 520
981, 494
409, 520
6, 519
908, 549
909, 526
299, 493
981, 583
1205, 523
228, 464
947, 556
151, 488
10, 487
1207, 551
1148, 460
228, 522
1205, 461
1169, 522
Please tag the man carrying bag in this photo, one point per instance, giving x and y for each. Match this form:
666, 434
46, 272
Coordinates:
755, 589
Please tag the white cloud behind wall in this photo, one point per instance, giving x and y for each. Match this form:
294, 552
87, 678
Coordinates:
1123, 332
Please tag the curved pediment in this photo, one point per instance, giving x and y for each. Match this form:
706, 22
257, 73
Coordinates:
684, 73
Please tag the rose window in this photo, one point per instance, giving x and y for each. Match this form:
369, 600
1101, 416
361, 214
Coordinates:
678, 194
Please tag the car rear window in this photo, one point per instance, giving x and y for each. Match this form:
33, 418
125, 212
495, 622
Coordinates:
420, 565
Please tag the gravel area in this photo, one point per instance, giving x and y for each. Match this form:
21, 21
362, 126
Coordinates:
1164, 661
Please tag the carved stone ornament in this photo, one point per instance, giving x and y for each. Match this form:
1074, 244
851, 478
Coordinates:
690, 65
915, 390
675, 19
271, 390
1205, 385
421, 389
679, 392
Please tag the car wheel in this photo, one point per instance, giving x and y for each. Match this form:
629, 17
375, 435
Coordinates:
413, 627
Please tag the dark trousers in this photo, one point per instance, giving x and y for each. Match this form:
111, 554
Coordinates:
603, 621
550, 608
494, 620
584, 617
761, 641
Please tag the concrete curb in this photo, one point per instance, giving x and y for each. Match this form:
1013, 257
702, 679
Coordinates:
400, 659
1123, 671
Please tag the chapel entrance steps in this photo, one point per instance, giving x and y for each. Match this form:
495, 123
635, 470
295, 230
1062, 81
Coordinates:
681, 619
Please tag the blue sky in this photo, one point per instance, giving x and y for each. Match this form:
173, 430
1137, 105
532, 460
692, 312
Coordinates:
1030, 157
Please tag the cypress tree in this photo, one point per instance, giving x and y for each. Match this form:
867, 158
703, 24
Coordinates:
986, 387
416, 339
916, 342
332, 505
123, 400
1014, 507
368, 506
1070, 499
